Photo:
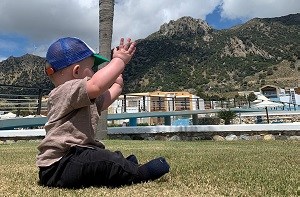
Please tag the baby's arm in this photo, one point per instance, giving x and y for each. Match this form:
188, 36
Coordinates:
105, 78
112, 93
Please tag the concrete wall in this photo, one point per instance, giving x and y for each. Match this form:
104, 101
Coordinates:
186, 132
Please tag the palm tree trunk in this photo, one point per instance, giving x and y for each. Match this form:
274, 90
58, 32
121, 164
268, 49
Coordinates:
106, 16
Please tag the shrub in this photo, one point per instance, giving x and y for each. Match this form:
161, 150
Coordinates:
226, 115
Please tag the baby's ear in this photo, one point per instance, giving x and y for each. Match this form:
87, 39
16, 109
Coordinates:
76, 71
48, 69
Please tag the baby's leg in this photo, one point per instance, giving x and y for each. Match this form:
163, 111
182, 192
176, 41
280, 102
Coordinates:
100, 167
133, 159
152, 170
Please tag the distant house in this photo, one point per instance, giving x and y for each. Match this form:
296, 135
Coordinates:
289, 96
270, 91
156, 101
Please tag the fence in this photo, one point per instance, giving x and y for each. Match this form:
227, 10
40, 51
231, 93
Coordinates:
32, 102
23, 101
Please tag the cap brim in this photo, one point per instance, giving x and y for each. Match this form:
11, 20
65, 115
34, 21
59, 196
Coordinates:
99, 59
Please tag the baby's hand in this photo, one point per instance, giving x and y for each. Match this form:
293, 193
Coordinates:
119, 81
125, 51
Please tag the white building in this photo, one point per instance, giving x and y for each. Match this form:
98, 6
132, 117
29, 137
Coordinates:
155, 101
290, 97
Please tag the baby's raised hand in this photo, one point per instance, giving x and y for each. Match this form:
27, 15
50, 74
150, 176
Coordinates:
125, 51
120, 81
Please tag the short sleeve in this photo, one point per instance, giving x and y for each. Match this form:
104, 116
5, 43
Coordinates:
78, 94
99, 103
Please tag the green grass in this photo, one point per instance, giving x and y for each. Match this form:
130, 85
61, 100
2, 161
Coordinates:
203, 168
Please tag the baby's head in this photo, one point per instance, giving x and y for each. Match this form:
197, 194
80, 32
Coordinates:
69, 58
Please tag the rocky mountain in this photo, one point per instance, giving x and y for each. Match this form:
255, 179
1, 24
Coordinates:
188, 54
24, 71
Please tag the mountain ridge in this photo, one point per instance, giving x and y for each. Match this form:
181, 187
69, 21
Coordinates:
188, 54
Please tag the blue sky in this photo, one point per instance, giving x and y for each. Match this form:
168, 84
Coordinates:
31, 26
215, 20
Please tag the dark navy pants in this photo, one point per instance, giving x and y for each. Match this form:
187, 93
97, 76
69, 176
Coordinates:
84, 167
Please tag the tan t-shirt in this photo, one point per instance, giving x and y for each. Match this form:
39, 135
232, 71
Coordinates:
71, 121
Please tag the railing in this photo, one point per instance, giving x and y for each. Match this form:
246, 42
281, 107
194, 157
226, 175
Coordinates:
40, 121
23, 104
34, 102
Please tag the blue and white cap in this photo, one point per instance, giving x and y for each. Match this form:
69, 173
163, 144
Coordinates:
67, 51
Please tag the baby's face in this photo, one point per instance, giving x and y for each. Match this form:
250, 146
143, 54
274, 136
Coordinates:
86, 68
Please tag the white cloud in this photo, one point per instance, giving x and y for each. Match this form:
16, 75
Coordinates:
2, 58
139, 19
43, 21
234, 9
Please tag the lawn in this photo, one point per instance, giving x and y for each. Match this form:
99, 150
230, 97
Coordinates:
202, 168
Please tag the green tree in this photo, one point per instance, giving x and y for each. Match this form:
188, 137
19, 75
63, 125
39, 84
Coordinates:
226, 115
222, 99
239, 99
250, 98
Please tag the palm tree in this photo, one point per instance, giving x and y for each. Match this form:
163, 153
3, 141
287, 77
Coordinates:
250, 98
106, 16
226, 115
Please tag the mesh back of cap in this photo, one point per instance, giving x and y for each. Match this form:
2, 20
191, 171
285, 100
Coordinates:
67, 51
